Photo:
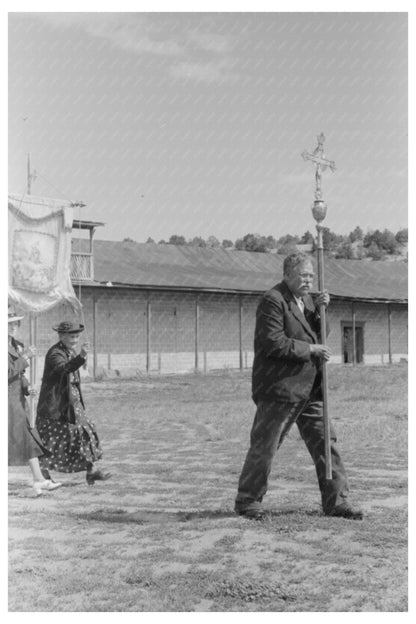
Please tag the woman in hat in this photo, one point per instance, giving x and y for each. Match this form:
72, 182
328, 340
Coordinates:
70, 437
25, 445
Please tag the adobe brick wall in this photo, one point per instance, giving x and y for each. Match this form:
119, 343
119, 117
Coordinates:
374, 317
121, 330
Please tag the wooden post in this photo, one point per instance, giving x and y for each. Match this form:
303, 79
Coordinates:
148, 337
196, 333
354, 346
240, 329
91, 271
389, 327
322, 312
94, 334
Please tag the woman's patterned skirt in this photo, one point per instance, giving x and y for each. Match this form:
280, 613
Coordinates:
72, 446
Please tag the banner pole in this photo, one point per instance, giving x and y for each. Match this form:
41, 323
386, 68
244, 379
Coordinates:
33, 367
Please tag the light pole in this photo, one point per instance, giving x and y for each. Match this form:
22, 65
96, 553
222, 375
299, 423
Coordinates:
319, 208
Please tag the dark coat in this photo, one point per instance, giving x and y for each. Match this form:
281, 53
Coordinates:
55, 399
17, 365
283, 367
24, 442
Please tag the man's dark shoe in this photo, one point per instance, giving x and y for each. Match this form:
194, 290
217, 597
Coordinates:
251, 514
345, 511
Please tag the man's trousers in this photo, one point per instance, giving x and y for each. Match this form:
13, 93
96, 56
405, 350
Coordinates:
271, 424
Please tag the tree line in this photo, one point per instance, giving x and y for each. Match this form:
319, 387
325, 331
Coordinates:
375, 244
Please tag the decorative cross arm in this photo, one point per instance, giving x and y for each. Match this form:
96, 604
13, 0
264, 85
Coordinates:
321, 163
324, 162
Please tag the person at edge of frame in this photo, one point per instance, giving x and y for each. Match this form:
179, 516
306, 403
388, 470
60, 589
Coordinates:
25, 445
286, 388
69, 435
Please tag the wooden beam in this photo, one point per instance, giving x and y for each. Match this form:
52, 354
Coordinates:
354, 346
389, 330
148, 337
94, 333
196, 333
240, 330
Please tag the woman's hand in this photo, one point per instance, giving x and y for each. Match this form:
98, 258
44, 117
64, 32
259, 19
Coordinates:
84, 349
29, 352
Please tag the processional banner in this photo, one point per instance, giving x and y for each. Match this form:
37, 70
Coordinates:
40, 253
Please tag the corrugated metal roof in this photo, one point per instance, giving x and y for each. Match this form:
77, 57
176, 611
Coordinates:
185, 267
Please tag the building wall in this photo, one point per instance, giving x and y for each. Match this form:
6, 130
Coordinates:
374, 318
120, 340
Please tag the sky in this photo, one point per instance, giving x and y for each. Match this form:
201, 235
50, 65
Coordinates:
194, 123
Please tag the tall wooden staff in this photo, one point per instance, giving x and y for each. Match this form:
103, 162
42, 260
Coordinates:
319, 213
33, 367
33, 322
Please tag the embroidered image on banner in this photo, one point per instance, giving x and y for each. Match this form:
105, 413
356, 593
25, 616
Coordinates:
34, 261
40, 253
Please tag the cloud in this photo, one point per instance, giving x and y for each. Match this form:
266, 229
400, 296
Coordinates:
133, 32
208, 72
124, 40
207, 59
211, 42
204, 55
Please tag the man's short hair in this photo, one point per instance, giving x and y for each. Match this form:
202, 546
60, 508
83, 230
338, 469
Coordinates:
299, 257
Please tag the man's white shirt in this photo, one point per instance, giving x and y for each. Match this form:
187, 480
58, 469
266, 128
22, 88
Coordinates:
300, 304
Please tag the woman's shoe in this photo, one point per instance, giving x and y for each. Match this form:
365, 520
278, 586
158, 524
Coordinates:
47, 484
37, 489
97, 475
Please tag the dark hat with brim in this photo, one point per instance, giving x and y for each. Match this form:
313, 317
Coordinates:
69, 327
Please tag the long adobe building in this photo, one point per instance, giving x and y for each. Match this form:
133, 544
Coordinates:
157, 309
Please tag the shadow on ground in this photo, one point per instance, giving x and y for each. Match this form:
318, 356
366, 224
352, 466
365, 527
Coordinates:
163, 517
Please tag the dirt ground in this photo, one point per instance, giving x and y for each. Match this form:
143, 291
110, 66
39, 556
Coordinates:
161, 535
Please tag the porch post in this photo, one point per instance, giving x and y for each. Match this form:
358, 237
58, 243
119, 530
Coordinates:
196, 333
389, 330
240, 329
148, 330
94, 333
354, 346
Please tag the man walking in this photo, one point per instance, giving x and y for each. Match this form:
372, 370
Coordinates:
286, 388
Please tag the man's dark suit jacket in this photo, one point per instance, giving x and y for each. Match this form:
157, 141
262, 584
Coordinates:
55, 400
284, 369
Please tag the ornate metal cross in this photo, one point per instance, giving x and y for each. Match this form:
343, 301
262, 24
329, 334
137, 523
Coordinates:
318, 157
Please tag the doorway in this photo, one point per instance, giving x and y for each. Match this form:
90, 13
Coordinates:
349, 344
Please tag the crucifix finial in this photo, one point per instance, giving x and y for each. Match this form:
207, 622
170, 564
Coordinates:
321, 163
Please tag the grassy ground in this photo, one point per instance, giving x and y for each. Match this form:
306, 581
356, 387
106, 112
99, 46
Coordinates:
161, 535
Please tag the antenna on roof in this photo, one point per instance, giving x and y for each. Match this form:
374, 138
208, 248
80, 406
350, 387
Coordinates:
30, 176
